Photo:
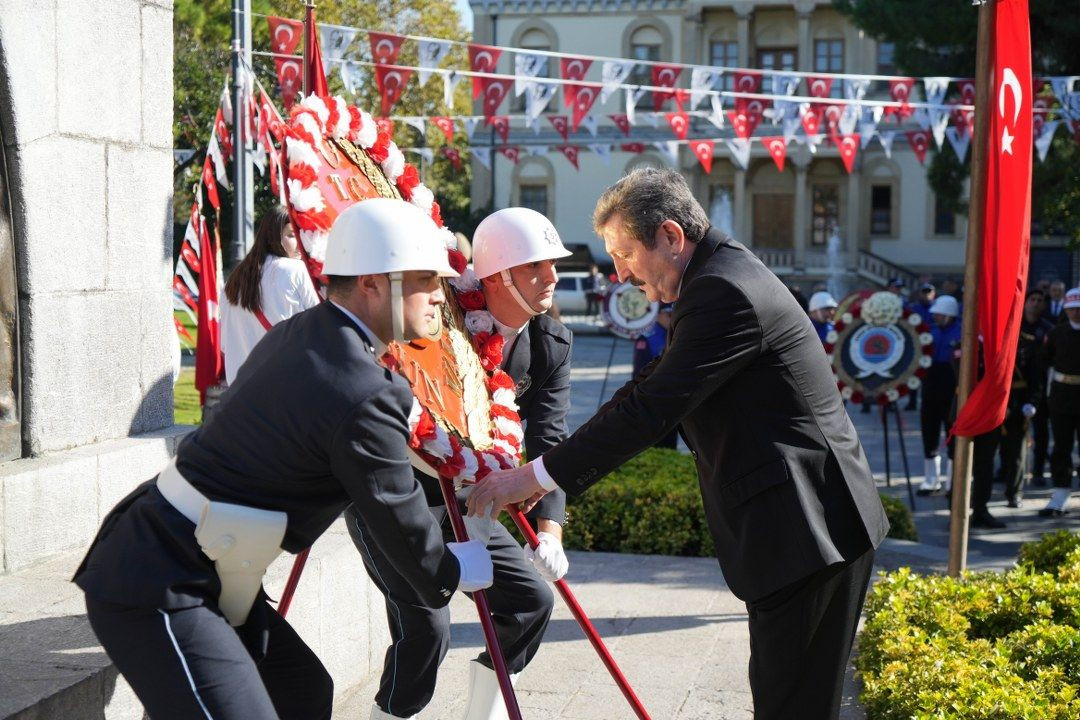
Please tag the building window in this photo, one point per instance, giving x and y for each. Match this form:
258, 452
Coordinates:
885, 63
829, 58
944, 218
881, 210
826, 213
725, 54
534, 197
776, 59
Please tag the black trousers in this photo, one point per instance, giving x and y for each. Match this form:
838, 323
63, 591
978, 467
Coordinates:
1013, 436
1040, 431
984, 451
191, 663
521, 604
935, 415
800, 640
1066, 429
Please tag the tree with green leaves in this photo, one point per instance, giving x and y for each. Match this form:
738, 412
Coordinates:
937, 37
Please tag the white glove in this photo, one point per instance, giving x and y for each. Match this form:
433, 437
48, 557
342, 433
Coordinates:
475, 562
548, 558
1028, 410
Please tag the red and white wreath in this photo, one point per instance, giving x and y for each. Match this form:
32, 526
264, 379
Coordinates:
321, 117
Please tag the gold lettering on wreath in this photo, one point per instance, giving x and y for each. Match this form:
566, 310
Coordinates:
371, 171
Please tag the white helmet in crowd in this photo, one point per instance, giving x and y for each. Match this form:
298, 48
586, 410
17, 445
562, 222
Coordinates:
511, 237
379, 236
945, 305
1072, 298
821, 300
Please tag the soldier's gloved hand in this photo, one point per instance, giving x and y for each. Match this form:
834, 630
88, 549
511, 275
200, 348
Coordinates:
1028, 410
548, 558
475, 563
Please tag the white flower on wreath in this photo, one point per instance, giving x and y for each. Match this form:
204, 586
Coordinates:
504, 397
315, 103
423, 198
478, 321
394, 164
832, 336
846, 393
846, 318
926, 361
439, 446
914, 382
448, 238
926, 338
892, 395
915, 319
368, 132
883, 308
466, 281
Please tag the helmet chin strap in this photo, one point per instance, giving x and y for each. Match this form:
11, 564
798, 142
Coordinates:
397, 307
509, 284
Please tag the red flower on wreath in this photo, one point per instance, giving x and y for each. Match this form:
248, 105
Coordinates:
491, 352
471, 300
381, 149
457, 260
425, 430
408, 181
499, 380
857, 398
436, 213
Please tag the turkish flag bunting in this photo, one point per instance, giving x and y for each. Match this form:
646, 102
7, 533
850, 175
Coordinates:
182, 331
513, 154
622, 122
1041, 104
453, 156
501, 123
184, 293
664, 76
482, 58
811, 118
831, 117
919, 141
276, 177
681, 95
561, 125
391, 80
223, 134
210, 184
819, 86
679, 122
316, 77
900, 89
446, 125
634, 147
209, 363
703, 151
1006, 234
494, 91
571, 153
290, 79
385, 47
581, 99
190, 257
574, 68
285, 34
777, 150
967, 91
848, 145
269, 118
747, 81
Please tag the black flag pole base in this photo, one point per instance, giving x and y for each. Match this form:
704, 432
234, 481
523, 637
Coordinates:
893, 408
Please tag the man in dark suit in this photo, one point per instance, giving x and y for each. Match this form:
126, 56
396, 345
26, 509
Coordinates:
514, 253
311, 423
788, 495
1055, 303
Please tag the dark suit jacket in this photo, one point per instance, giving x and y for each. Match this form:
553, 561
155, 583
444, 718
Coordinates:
785, 483
311, 424
538, 361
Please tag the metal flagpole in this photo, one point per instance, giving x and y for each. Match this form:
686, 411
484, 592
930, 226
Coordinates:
243, 189
969, 351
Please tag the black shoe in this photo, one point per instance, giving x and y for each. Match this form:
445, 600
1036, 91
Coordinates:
982, 518
1052, 513
1016, 503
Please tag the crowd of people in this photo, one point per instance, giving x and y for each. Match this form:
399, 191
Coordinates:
1044, 398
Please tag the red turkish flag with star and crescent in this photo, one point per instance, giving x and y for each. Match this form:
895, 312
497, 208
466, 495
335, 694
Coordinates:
513, 154
501, 124
1007, 218
482, 58
920, 143
777, 150
703, 151
811, 118
967, 91
848, 145
679, 122
571, 153
581, 98
574, 68
290, 79
819, 86
494, 91
561, 125
285, 35
634, 147
622, 122
453, 156
446, 125
209, 362
664, 76
391, 81
385, 47
747, 81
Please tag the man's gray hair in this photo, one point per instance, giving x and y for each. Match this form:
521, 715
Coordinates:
643, 199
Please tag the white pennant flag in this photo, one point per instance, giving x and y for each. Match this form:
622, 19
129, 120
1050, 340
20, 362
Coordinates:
533, 124
226, 103
653, 118
537, 97
866, 134
220, 171
1070, 106
855, 89
873, 114
612, 75
535, 150
431, 53
417, 122
785, 83
1062, 86
939, 120
526, 66
959, 139
886, 138
604, 151
811, 142
631, 104
334, 41
934, 88
716, 114
350, 77
849, 118
670, 150
482, 155
589, 123
922, 117
450, 81
1042, 143
470, 124
791, 129
426, 153
740, 151
784, 109
701, 80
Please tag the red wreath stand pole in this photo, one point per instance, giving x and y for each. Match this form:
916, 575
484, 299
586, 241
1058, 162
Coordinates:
482, 607
292, 582
584, 622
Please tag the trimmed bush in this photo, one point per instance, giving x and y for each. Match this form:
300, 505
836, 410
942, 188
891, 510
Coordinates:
901, 521
986, 645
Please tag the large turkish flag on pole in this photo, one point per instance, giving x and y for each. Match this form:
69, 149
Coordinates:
209, 363
1007, 218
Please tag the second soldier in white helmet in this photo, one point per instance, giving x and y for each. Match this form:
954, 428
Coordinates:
514, 254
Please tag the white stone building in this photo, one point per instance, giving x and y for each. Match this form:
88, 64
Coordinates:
884, 212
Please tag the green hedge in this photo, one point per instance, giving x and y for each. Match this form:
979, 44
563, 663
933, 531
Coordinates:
652, 505
983, 646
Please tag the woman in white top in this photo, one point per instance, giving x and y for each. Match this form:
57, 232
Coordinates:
269, 285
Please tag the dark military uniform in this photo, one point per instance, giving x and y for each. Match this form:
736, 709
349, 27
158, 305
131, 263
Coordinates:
1063, 359
311, 424
521, 602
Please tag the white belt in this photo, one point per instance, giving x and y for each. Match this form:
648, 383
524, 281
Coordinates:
242, 541
1065, 379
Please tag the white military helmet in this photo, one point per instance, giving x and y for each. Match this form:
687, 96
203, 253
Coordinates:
945, 305
820, 300
1072, 298
381, 235
511, 237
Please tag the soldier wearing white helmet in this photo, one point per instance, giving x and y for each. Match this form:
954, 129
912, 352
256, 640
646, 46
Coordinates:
514, 251
822, 309
1063, 359
939, 392
311, 424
